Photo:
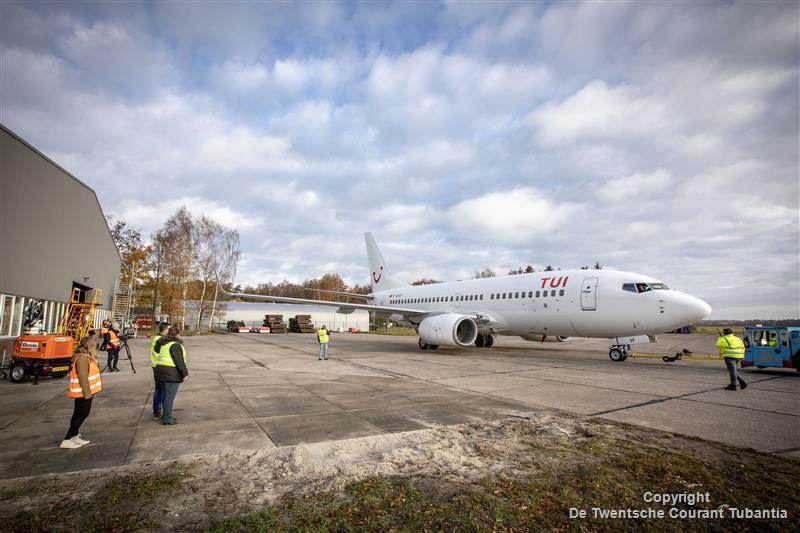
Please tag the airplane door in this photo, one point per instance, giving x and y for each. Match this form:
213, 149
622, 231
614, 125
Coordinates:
589, 294
767, 347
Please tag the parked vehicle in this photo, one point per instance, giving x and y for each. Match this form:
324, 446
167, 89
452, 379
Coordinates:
772, 347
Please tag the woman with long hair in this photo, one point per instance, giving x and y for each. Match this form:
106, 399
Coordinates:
84, 383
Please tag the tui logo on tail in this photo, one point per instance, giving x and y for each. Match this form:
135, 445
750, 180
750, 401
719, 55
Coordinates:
377, 278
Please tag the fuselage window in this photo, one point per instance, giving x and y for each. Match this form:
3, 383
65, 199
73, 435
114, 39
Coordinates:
516, 295
561, 292
491, 296
544, 294
504, 296
481, 296
537, 294
471, 297
553, 292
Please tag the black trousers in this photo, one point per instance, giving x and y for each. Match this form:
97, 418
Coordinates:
81, 412
113, 357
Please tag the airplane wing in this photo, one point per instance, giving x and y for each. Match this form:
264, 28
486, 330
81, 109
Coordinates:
408, 311
351, 294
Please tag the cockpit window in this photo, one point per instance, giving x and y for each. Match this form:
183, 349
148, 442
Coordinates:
644, 287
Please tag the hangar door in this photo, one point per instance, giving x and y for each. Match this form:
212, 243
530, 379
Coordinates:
589, 294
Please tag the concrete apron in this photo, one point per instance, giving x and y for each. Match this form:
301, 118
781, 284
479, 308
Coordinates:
249, 392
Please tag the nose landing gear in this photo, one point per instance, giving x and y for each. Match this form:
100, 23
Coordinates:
619, 352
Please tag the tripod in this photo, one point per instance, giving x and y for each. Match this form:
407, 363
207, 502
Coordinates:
124, 344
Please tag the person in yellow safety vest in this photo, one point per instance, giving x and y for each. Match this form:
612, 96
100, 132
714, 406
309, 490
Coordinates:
731, 348
323, 336
773, 339
171, 370
158, 386
84, 383
111, 345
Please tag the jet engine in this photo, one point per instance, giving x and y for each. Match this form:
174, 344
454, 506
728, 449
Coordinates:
448, 329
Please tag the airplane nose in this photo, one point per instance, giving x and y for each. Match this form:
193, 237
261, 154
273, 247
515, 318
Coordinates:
705, 309
693, 309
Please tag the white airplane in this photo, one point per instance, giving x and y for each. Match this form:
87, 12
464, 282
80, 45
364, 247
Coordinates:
626, 307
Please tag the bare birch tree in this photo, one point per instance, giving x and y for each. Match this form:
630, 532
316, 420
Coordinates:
179, 260
227, 259
216, 249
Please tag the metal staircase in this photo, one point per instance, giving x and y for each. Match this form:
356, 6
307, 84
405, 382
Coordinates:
121, 306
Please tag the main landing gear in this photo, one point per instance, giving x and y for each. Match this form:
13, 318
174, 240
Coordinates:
619, 352
425, 346
484, 341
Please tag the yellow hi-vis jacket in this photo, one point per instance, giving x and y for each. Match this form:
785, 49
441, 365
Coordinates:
731, 346
322, 335
164, 358
153, 352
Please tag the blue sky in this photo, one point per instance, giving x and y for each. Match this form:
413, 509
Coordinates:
660, 138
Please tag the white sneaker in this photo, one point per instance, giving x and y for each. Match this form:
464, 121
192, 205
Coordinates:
79, 440
70, 444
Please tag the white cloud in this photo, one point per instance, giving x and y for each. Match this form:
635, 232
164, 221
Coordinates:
514, 216
601, 112
150, 217
631, 187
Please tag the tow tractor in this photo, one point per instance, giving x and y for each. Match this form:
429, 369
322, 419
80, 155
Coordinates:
766, 346
51, 355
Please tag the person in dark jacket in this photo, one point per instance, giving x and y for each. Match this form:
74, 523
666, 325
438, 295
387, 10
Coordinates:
170, 370
158, 387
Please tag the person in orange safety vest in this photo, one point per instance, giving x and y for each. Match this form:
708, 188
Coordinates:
84, 383
111, 345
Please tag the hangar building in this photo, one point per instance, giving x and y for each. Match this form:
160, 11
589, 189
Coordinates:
53, 238
252, 314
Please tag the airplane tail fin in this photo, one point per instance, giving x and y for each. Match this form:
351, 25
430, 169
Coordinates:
380, 278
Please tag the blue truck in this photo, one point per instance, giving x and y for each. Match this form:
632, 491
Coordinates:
772, 347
